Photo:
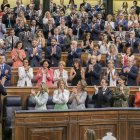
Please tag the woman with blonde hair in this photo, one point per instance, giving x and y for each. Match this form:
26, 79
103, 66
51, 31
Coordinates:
60, 73
61, 95
40, 97
78, 96
40, 39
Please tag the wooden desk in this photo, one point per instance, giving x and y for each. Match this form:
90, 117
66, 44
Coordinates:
25, 92
124, 124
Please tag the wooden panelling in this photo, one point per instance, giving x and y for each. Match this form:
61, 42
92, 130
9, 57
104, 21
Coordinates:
125, 129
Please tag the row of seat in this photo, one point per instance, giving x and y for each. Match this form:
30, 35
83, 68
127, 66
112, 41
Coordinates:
14, 74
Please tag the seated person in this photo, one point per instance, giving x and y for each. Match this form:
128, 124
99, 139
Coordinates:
103, 95
18, 54
41, 97
25, 74
45, 74
5, 71
77, 73
121, 93
60, 73
78, 96
61, 95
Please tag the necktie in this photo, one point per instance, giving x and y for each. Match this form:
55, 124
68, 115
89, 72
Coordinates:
12, 42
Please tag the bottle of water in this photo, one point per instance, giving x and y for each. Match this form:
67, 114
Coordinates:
109, 136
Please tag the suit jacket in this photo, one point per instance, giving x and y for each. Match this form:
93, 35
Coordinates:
41, 100
135, 45
95, 31
93, 77
131, 76
39, 77
25, 77
3, 90
124, 23
35, 59
87, 6
8, 75
121, 100
2, 31
72, 56
26, 39
46, 31
80, 33
137, 9
9, 45
60, 40
102, 98
55, 58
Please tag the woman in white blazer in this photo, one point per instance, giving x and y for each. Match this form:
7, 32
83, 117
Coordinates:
25, 74
60, 73
41, 97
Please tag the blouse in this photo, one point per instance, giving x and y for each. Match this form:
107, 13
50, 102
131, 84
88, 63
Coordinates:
60, 99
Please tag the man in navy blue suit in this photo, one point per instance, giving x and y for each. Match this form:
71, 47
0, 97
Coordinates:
5, 71
133, 42
59, 39
73, 53
53, 53
121, 21
86, 5
130, 72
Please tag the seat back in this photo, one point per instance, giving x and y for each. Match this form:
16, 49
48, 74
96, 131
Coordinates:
89, 102
30, 104
10, 105
50, 104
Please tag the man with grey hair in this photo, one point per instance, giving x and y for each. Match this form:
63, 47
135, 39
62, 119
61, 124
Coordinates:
133, 42
73, 53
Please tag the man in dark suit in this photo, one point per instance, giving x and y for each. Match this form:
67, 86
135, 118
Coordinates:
34, 54
86, 5
135, 7
100, 21
59, 39
30, 13
94, 29
5, 71
130, 72
79, 29
133, 42
93, 72
102, 96
73, 53
53, 53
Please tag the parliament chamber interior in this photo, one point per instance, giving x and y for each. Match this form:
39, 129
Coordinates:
70, 70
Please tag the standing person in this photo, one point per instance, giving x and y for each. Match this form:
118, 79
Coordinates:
121, 93
41, 97
45, 74
93, 72
78, 96
77, 73
25, 74
61, 95
53, 53
35, 54
4, 5
2, 29
18, 54
136, 7
103, 95
60, 73
130, 72
5, 71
